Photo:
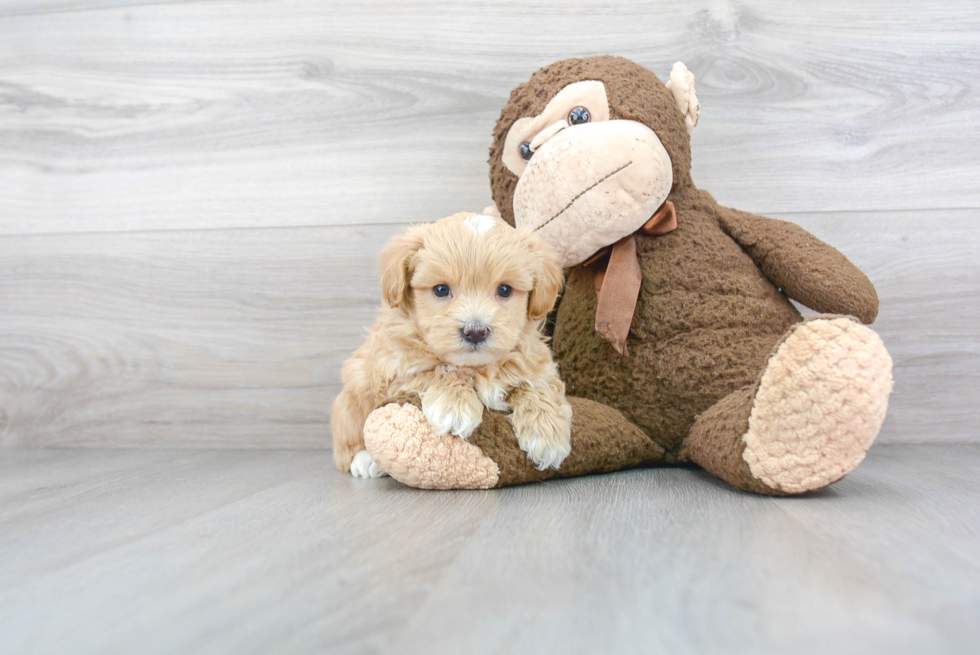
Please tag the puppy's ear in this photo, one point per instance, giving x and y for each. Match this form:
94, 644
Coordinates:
548, 279
396, 263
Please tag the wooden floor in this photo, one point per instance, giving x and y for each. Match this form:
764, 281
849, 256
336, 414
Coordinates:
271, 551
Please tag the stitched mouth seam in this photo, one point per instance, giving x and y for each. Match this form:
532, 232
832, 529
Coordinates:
572, 201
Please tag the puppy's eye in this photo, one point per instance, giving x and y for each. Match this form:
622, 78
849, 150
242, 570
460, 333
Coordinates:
504, 291
525, 150
578, 116
440, 291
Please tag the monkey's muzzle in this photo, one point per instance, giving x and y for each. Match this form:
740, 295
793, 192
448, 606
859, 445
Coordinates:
590, 185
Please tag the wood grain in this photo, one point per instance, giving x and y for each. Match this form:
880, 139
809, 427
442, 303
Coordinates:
191, 338
192, 193
235, 337
927, 275
273, 551
34, 7
638, 569
163, 116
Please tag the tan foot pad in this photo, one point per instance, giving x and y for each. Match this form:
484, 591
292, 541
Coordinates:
820, 404
403, 443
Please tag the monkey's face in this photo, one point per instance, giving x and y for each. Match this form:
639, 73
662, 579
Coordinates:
585, 181
589, 167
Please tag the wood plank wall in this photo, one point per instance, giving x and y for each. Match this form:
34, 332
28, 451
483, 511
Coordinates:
192, 193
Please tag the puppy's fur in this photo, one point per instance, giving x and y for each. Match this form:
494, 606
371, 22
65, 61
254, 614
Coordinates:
419, 347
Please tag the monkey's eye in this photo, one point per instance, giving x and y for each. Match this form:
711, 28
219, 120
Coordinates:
504, 291
440, 291
578, 116
526, 152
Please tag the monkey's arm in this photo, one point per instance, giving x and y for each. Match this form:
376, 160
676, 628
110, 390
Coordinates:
804, 267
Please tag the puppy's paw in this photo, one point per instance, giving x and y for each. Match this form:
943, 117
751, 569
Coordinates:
545, 435
343, 455
545, 455
363, 466
493, 396
453, 411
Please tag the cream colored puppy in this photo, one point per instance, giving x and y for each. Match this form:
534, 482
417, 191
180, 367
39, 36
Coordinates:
460, 328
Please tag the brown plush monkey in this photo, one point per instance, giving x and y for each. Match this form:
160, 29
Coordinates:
675, 331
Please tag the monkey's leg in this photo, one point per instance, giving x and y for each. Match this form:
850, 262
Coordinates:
810, 418
403, 443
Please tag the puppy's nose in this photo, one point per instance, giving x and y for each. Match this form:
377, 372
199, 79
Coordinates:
475, 332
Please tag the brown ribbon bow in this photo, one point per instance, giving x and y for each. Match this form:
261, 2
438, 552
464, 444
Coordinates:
618, 282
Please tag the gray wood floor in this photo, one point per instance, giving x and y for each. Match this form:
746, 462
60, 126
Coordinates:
272, 551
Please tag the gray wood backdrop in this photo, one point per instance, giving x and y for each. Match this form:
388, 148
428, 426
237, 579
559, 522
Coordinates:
192, 193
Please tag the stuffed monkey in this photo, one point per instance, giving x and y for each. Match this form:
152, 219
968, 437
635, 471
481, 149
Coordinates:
675, 335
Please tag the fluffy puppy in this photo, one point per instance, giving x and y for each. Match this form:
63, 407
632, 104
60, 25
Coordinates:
460, 328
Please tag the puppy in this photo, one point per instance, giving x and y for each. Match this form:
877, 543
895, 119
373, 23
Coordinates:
460, 328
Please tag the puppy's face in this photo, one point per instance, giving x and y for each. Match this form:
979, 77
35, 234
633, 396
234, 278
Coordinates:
471, 284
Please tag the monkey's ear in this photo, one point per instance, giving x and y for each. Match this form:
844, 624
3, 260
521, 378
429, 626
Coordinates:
548, 279
681, 85
396, 264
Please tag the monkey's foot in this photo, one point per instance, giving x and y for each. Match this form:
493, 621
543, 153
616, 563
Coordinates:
404, 444
810, 419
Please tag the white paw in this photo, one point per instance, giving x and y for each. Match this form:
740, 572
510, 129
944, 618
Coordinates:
493, 397
460, 421
363, 466
543, 454
544, 432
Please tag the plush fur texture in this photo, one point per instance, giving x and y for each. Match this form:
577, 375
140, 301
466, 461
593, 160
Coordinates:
819, 405
708, 377
402, 438
705, 321
441, 281
576, 166
405, 444
634, 93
